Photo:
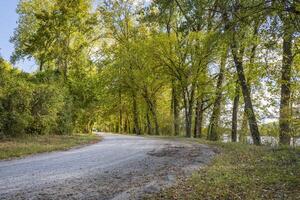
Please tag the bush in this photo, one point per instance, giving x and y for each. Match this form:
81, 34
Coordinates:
65, 119
43, 103
60, 103
46, 103
15, 113
36, 105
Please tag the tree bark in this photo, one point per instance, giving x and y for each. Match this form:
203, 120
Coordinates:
175, 110
244, 128
235, 113
188, 99
246, 94
285, 113
215, 116
151, 104
120, 113
129, 126
125, 128
198, 118
154, 115
117, 127
135, 115
149, 126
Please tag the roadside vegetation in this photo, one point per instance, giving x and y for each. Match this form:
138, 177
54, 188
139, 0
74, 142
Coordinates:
38, 114
27, 145
243, 172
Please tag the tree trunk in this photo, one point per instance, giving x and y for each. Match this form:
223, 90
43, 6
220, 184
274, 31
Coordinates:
215, 117
149, 126
154, 115
235, 113
41, 67
175, 110
135, 115
188, 98
151, 104
120, 113
198, 118
244, 128
129, 128
188, 124
246, 94
117, 127
285, 113
126, 125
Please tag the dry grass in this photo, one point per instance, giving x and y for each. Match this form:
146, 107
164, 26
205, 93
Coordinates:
18, 147
243, 172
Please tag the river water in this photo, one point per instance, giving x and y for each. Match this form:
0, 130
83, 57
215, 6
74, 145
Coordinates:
266, 140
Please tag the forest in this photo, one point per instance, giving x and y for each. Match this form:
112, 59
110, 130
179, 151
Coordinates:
193, 68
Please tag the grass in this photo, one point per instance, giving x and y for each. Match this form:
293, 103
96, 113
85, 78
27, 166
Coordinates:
243, 172
18, 147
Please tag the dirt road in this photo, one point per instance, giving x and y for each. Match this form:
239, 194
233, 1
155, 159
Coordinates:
119, 167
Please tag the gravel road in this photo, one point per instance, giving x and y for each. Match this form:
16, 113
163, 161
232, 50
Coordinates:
118, 167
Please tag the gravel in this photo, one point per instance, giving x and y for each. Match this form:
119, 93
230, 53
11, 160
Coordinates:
118, 167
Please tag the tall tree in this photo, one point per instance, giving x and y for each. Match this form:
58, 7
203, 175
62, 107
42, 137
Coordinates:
215, 116
235, 109
47, 32
287, 61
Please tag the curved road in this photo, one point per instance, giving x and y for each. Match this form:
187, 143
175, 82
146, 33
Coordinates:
118, 167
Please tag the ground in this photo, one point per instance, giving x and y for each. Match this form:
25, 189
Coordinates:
131, 167
119, 167
243, 172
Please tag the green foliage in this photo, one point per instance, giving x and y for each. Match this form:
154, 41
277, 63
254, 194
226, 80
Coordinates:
65, 117
32, 104
15, 112
64, 94
47, 102
270, 129
54, 33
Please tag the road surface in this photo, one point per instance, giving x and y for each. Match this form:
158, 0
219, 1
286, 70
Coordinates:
118, 167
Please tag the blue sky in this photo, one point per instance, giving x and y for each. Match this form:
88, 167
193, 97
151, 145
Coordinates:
8, 22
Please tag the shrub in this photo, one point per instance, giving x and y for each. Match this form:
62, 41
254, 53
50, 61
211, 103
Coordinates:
65, 119
57, 103
35, 104
15, 113
46, 103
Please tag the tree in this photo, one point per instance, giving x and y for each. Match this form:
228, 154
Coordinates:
54, 33
287, 61
235, 110
215, 116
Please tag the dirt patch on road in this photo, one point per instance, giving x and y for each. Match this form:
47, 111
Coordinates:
170, 163
168, 150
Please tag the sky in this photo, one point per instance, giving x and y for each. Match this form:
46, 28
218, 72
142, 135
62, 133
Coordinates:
8, 23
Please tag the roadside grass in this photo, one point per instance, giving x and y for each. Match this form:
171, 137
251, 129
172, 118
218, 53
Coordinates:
243, 172
22, 146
